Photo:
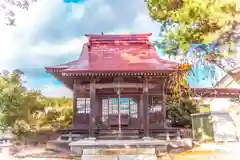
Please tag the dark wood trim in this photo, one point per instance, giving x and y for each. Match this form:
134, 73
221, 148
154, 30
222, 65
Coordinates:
145, 107
83, 87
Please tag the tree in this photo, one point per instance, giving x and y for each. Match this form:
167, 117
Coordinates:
27, 112
16, 102
180, 113
180, 103
187, 22
58, 113
236, 29
7, 11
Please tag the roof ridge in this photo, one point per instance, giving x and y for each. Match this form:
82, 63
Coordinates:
118, 35
116, 39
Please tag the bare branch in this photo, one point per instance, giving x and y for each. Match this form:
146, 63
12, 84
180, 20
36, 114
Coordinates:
8, 13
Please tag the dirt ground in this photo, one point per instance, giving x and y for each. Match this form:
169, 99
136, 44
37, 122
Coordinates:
39, 153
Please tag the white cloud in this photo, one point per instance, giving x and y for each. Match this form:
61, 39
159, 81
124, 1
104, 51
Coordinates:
17, 41
63, 48
53, 91
52, 32
77, 11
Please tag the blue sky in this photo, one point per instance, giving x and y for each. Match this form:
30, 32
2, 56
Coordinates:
52, 32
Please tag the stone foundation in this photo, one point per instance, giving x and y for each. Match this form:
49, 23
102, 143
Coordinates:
142, 149
119, 154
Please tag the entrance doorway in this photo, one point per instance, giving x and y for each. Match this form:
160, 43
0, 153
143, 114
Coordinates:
115, 114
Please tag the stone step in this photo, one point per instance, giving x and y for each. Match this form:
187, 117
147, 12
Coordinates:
115, 132
57, 145
165, 134
116, 137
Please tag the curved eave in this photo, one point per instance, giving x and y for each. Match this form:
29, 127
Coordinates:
66, 82
88, 72
54, 69
164, 70
236, 74
60, 67
233, 75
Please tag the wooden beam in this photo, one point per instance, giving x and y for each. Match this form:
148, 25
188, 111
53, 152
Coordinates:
114, 85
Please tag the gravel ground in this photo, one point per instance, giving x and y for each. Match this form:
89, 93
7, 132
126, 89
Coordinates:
229, 151
39, 153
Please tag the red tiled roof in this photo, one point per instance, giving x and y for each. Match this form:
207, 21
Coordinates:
118, 53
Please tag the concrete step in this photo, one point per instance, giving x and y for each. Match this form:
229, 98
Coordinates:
165, 134
57, 145
120, 137
115, 132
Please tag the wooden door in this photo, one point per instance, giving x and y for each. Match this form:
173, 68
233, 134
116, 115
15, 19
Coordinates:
110, 114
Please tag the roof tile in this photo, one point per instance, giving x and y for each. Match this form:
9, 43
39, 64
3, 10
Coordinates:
118, 53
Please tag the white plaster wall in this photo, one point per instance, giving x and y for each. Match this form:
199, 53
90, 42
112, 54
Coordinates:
223, 127
221, 104
226, 126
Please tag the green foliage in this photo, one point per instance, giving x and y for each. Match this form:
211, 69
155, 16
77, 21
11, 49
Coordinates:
27, 111
58, 113
179, 111
180, 104
185, 22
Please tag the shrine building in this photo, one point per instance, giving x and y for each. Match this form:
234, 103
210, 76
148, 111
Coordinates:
119, 85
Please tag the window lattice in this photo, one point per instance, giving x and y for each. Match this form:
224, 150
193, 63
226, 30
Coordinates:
128, 106
83, 105
133, 108
156, 105
104, 109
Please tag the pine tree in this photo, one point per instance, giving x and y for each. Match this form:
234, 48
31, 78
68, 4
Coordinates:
210, 23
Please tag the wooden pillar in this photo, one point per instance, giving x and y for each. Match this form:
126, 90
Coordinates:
74, 101
98, 112
140, 112
100, 109
92, 113
145, 107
